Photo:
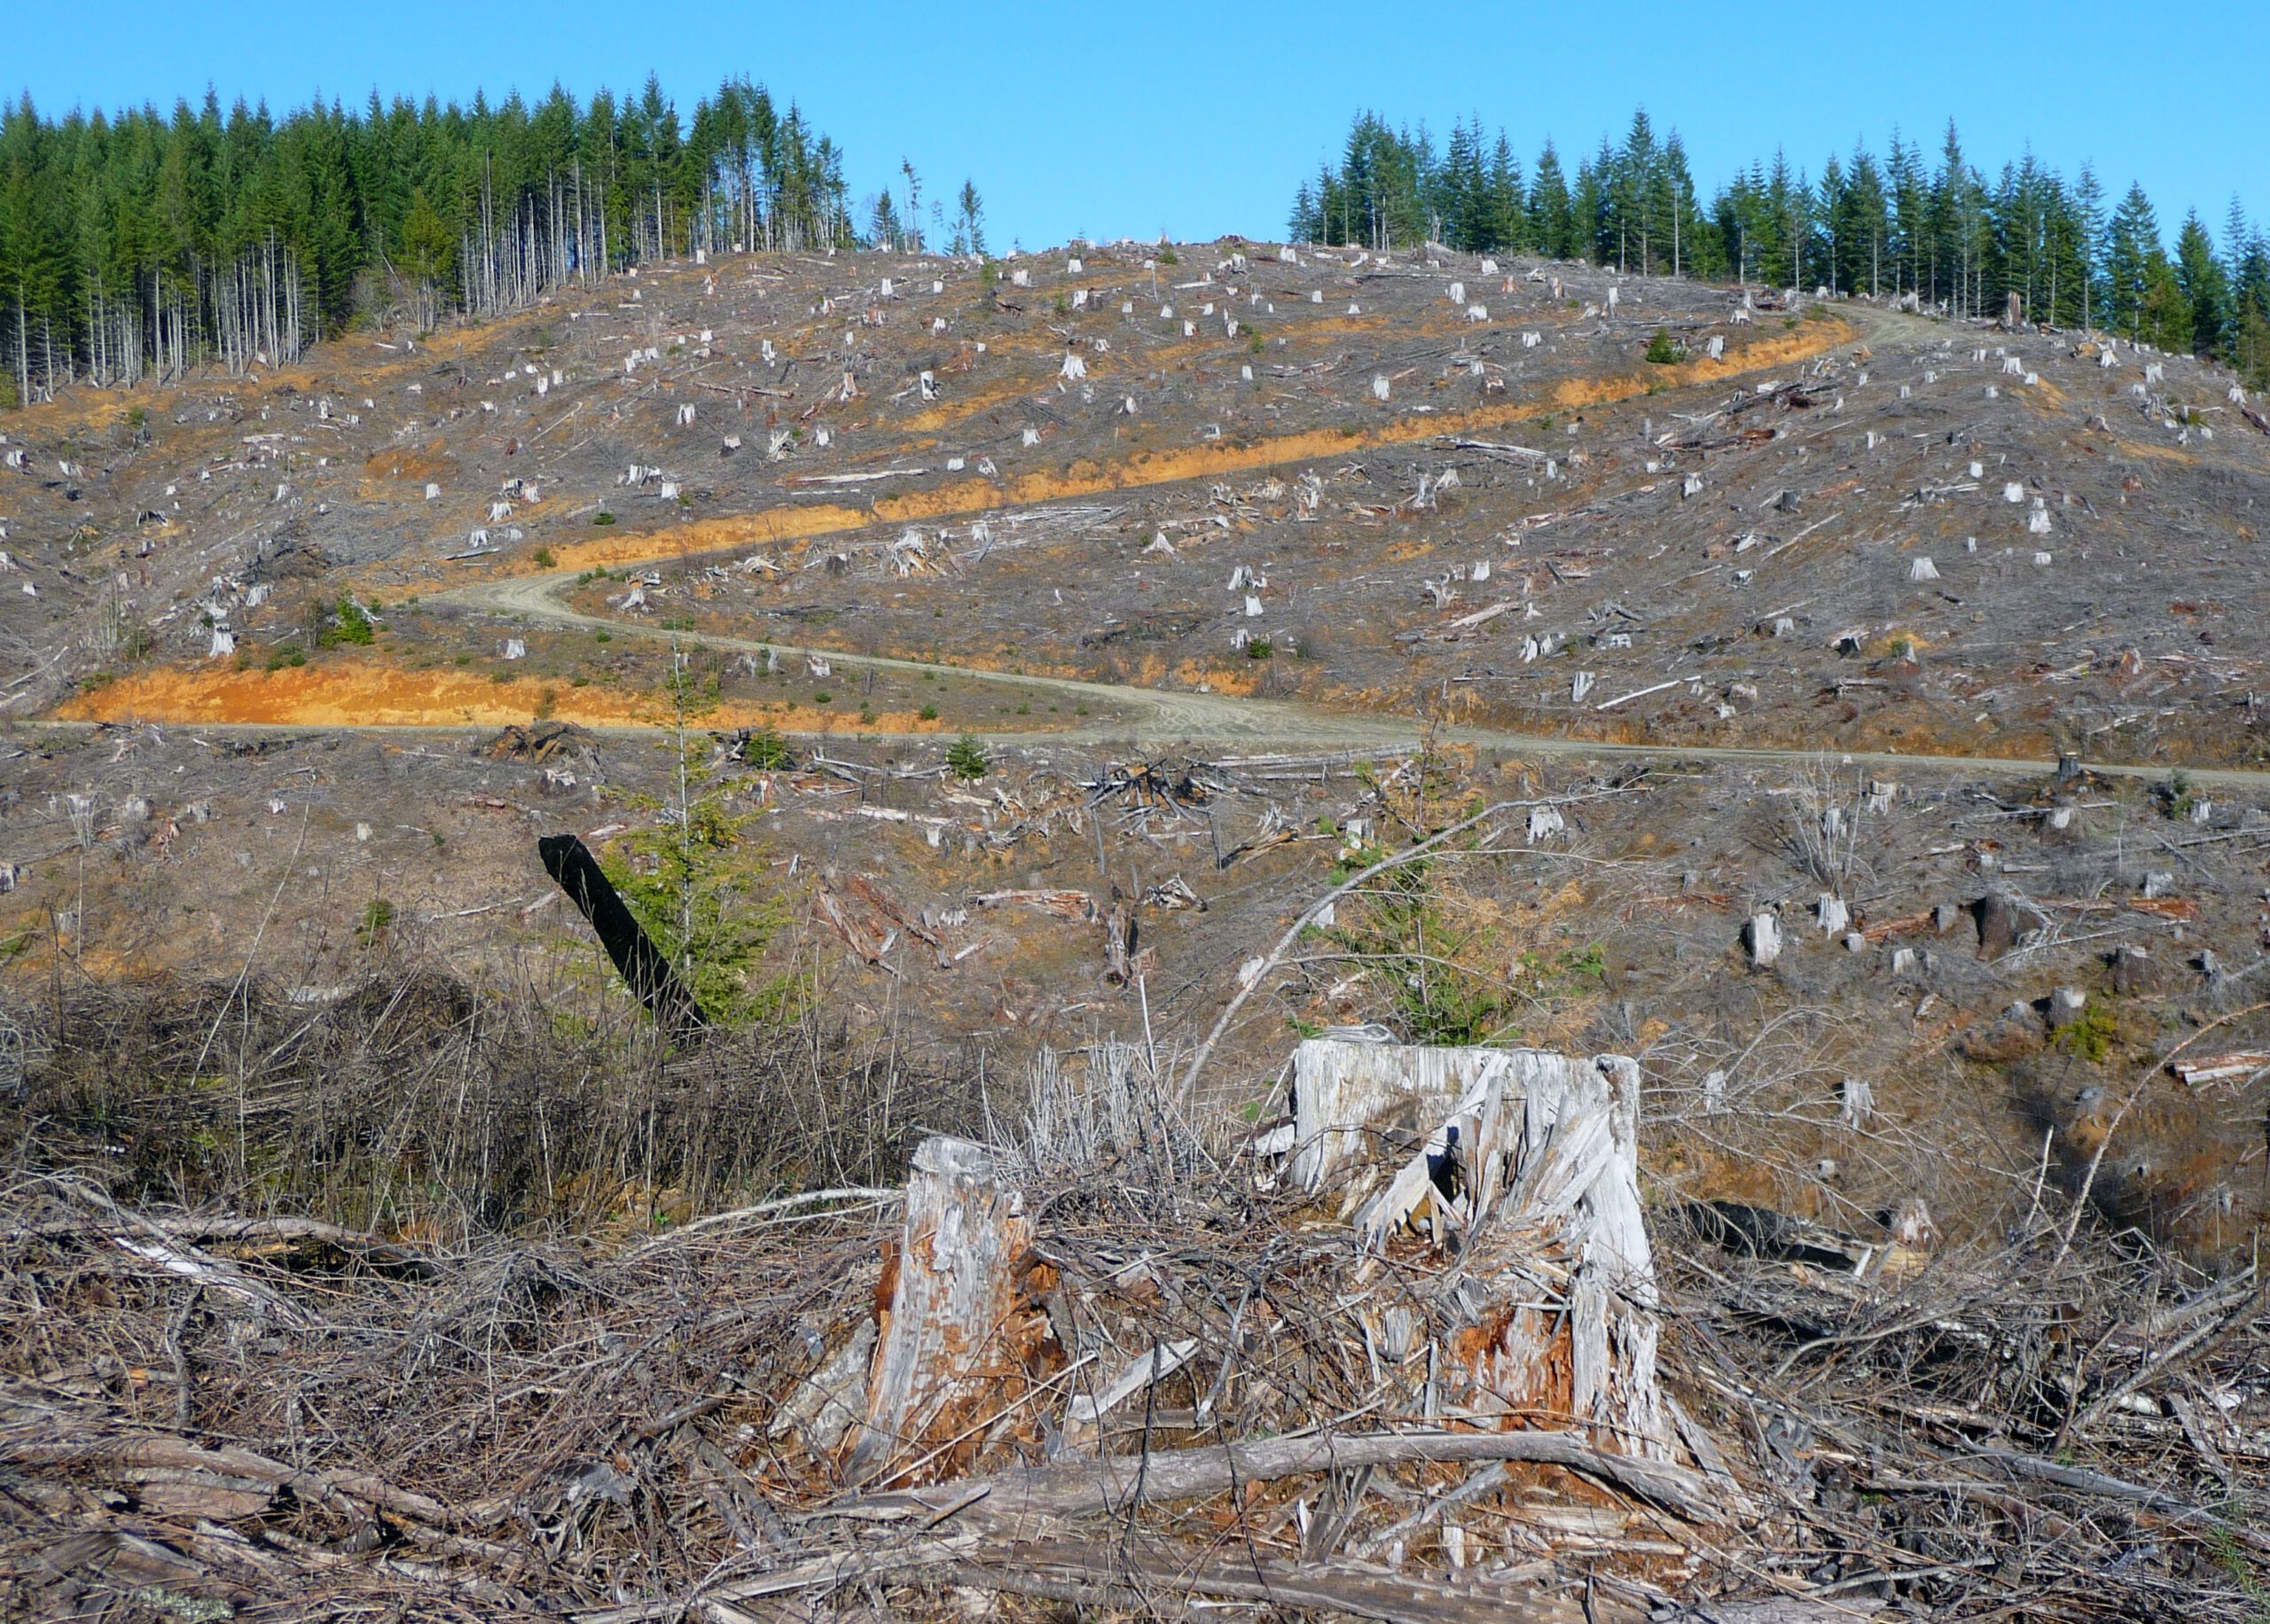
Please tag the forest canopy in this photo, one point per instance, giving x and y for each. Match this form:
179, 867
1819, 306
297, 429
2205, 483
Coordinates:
136, 244
1906, 224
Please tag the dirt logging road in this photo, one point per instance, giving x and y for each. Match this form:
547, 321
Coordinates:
1141, 715
1156, 718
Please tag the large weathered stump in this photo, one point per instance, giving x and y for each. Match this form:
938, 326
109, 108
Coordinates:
1530, 1167
949, 1338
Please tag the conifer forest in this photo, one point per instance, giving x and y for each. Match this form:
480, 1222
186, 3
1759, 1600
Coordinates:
1940, 231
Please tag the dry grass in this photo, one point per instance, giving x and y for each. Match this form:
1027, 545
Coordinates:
419, 1106
489, 1424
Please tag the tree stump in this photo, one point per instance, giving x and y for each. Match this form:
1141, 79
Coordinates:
1998, 924
1570, 1226
952, 1340
1531, 1168
1345, 1090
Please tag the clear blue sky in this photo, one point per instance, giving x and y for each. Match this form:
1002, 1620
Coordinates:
1124, 120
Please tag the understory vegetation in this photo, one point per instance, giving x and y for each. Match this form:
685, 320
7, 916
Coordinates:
421, 1105
692, 884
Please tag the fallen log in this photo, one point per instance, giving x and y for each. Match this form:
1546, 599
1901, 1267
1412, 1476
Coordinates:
1016, 1498
822, 1572
134, 1451
2083, 1480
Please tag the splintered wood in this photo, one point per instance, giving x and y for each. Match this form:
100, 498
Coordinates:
1516, 1167
947, 1337
1527, 1162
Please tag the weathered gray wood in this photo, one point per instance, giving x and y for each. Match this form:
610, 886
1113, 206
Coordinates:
1540, 1151
1570, 1226
944, 1339
1141, 1584
1344, 1090
1017, 1498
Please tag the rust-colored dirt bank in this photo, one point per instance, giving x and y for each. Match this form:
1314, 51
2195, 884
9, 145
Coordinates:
967, 497
351, 693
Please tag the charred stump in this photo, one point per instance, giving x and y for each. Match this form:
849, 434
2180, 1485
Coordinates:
570, 863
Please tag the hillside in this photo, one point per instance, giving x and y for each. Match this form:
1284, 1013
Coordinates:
1026, 698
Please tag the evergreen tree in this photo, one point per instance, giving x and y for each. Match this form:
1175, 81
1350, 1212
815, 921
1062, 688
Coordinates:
1690, 248
1552, 215
136, 245
2089, 235
2164, 320
1504, 218
969, 229
2250, 304
883, 229
1893, 229
2206, 290
1910, 216
2132, 243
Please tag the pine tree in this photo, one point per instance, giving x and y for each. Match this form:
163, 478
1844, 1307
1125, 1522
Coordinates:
2163, 320
1304, 224
133, 245
1551, 217
1505, 215
2251, 301
428, 256
2088, 209
1688, 251
1910, 215
2132, 242
2206, 291
970, 219
883, 229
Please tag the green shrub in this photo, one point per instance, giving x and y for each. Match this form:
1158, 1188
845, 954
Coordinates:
699, 892
766, 750
1661, 350
965, 757
2089, 1035
376, 917
348, 624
